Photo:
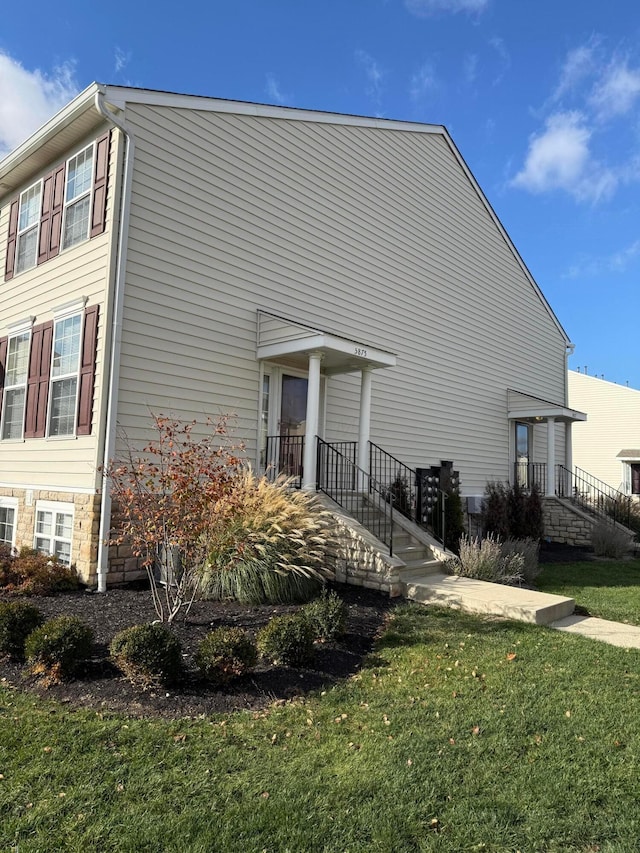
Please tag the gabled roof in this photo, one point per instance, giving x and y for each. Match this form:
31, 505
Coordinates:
79, 117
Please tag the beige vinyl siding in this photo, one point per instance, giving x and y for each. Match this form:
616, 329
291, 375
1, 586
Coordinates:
80, 271
612, 425
375, 235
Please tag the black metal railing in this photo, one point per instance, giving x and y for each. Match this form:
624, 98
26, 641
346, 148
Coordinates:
355, 491
395, 480
530, 474
283, 457
593, 495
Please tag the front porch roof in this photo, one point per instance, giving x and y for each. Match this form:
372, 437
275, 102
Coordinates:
529, 409
280, 339
632, 455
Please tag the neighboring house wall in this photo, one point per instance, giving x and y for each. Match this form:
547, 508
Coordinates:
613, 426
62, 470
373, 234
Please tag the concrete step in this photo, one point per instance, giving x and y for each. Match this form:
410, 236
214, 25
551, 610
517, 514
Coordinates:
411, 550
420, 570
489, 599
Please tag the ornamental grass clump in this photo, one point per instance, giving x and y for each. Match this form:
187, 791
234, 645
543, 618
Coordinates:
287, 640
148, 655
608, 540
225, 654
483, 559
268, 546
59, 648
327, 616
17, 620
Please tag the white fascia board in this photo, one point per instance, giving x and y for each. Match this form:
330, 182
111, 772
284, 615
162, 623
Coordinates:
63, 117
505, 236
357, 352
120, 96
557, 412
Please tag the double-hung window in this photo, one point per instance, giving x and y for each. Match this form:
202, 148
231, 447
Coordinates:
15, 385
8, 514
54, 530
77, 198
65, 364
28, 227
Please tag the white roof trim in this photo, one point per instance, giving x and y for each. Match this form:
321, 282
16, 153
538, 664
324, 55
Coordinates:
560, 413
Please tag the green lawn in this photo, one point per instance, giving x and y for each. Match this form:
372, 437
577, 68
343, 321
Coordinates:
609, 589
462, 734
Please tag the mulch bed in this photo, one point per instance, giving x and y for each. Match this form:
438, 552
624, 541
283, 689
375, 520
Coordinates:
103, 687
559, 552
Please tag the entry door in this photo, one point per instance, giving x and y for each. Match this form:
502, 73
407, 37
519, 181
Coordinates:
523, 452
635, 479
292, 425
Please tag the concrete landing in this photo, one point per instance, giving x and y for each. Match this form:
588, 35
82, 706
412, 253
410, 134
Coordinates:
614, 633
489, 599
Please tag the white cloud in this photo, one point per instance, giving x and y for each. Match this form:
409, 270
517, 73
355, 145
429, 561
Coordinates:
618, 262
616, 91
422, 82
274, 92
29, 98
470, 67
122, 59
559, 158
426, 8
579, 64
374, 74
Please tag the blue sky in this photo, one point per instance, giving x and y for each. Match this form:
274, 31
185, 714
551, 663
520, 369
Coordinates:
541, 97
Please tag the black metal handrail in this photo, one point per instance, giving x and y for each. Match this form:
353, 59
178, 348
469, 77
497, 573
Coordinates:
355, 491
593, 495
531, 474
283, 457
395, 479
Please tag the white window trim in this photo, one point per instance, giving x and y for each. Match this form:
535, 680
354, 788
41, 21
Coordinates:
11, 503
55, 507
35, 226
89, 192
13, 336
52, 379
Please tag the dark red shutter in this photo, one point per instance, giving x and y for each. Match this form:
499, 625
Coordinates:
87, 370
3, 362
45, 218
51, 215
101, 169
11, 242
38, 381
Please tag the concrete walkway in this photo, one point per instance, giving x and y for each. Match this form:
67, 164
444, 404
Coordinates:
522, 605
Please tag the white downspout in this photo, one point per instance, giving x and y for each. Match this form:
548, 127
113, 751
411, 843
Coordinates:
116, 339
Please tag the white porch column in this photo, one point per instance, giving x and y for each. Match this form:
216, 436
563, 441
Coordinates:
568, 446
551, 456
312, 421
364, 426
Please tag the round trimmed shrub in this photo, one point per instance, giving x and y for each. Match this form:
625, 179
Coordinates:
148, 654
17, 621
59, 647
327, 616
226, 653
286, 640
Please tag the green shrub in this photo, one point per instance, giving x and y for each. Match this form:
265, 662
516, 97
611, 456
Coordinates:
327, 616
226, 653
483, 559
267, 545
147, 654
495, 517
59, 647
510, 512
287, 640
609, 541
33, 573
17, 621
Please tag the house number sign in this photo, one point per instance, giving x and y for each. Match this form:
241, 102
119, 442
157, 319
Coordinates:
361, 352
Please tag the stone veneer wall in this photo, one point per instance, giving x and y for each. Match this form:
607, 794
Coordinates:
564, 522
86, 522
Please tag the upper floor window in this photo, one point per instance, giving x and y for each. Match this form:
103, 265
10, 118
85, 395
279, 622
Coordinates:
65, 363
66, 207
28, 222
77, 198
15, 388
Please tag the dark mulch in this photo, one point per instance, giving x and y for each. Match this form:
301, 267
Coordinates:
559, 552
102, 687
